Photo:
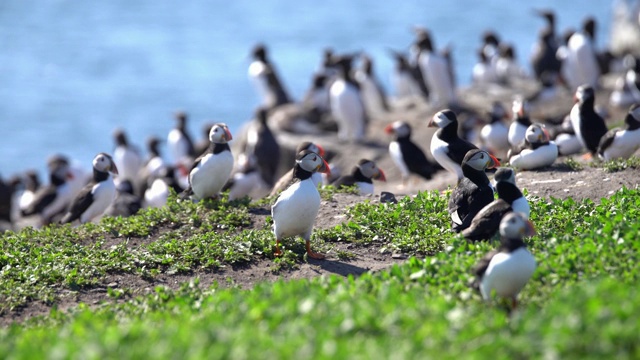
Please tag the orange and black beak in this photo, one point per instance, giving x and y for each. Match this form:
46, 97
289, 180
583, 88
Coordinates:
324, 168
227, 134
494, 162
389, 129
529, 230
432, 123
380, 176
320, 150
114, 169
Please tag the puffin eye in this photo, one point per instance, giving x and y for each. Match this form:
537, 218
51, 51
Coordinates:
315, 158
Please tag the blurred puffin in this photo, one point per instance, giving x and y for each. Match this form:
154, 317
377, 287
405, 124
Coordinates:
520, 122
544, 61
507, 269
374, 97
125, 203
407, 156
346, 102
622, 143
435, 70
31, 183
446, 146
52, 200
580, 64
247, 181
212, 169
587, 123
494, 136
483, 72
474, 191
126, 157
158, 192
179, 142
295, 210
94, 199
263, 146
537, 151
361, 176
406, 79
266, 80
486, 222
287, 178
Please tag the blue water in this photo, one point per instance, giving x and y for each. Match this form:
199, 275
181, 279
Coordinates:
73, 71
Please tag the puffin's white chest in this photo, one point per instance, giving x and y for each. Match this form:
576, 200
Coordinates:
64, 194
364, 188
404, 84
436, 72
533, 159
568, 144
398, 159
178, 145
508, 273
521, 205
248, 184
103, 194
440, 150
496, 137
625, 144
128, 163
210, 175
346, 107
295, 211
516, 133
576, 120
156, 196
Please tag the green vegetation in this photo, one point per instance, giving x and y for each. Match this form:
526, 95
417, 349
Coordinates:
621, 164
581, 302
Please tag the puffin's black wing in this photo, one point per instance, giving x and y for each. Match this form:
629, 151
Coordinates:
481, 268
606, 141
125, 205
267, 152
43, 198
458, 148
593, 131
416, 161
80, 204
467, 199
345, 180
486, 223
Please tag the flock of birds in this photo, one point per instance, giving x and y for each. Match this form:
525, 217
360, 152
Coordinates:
344, 100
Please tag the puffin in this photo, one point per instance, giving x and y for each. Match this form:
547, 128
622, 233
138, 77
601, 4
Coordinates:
160, 186
179, 142
486, 222
317, 96
435, 70
212, 169
406, 79
627, 88
544, 62
483, 72
346, 103
520, 123
266, 80
361, 176
51, 200
262, 145
126, 203
247, 181
536, 152
474, 191
295, 210
622, 143
373, 95
446, 146
507, 67
7, 191
507, 269
286, 179
94, 199
494, 136
580, 63
203, 143
407, 156
31, 183
126, 157
587, 123
565, 137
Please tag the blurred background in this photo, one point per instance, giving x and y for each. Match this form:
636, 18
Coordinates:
73, 71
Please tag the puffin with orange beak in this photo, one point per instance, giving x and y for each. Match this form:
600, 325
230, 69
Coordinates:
295, 211
362, 176
92, 201
212, 169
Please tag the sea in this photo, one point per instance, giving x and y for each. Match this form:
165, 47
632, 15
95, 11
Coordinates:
72, 71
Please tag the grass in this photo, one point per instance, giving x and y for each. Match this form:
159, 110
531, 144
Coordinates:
581, 302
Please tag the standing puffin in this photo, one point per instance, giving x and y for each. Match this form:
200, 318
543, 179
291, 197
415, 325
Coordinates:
51, 201
495, 135
587, 123
126, 157
435, 70
406, 79
286, 179
446, 146
486, 222
266, 79
346, 102
520, 123
537, 151
361, 176
407, 156
31, 186
94, 199
544, 61
622, 143
212, 169
474, 191
263, 146
295, 211
508, 269
373, 95
179, 142
580, 61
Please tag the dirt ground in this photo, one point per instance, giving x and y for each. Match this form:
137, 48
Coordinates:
558, 181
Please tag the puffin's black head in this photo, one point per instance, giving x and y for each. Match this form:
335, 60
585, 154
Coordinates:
367, 64
262, 115
589, 27
402, 64
220, 134
103, 162
505, 175
327, 58
506, 51
57, 160
515, 226
443, 118
120, 137
31, 180
400, 129
181, 118
423, 39
537, 134
311, 162
585, 94
308, 145
480, 160
489, 37
319, 81
370, 170
344, 63
548, 15
153, 144
497, 112
259, 52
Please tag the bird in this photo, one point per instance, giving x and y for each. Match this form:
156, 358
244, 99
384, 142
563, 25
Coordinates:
262, 145
407, 156
520, 123
494, 136
160, 186
622, 143
317, 96
295, 210
507, 67
266, 80
486, 222
346, 103
92, 201
588, 125
537, 151
179, 142
31, 183
7, 190
435, 70
507, 270
627, 87
446, 146
286, 179
125, 203
203, 143
211, 170
544, 61
374, 97
406, 79
474, 191
247, 181
51, 200
483, 72
126, 157
580, 62
361, 176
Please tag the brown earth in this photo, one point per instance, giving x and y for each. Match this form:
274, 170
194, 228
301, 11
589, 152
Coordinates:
558, 181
